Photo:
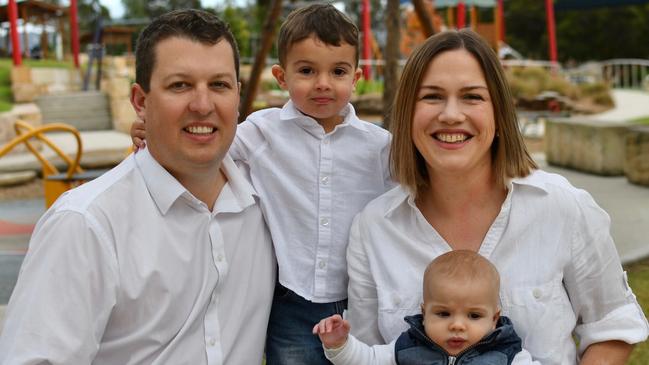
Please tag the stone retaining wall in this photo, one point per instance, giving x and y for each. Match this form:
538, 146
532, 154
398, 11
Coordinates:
637, 155
590, 146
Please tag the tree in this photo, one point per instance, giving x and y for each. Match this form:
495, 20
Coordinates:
154, 8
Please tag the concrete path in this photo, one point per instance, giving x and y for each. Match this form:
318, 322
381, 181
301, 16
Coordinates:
629, 105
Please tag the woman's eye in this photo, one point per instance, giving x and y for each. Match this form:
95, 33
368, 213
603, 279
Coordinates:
473, 97
431, 96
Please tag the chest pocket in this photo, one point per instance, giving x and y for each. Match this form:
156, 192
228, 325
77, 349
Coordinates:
393, 307
543, 318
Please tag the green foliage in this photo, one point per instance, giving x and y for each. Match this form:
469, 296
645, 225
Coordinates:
237, 18
6, 97
528, 82
639, 281
644, 120
369, 86
582, 35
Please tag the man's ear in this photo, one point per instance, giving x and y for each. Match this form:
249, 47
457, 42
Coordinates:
279, 74
138, 100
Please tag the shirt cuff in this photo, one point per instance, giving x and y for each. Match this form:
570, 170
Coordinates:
332, 353
626, 323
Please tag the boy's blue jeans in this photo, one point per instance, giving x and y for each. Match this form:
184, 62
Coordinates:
289, 339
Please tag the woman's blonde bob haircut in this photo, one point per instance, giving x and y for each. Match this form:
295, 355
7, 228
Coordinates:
509, 154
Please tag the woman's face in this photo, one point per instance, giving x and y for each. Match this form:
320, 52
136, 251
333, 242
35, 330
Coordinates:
453, 125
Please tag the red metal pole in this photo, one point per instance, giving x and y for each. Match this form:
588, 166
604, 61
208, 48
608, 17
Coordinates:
501, 17
552, 37
367, 69
13, 28
74, 32
461, 15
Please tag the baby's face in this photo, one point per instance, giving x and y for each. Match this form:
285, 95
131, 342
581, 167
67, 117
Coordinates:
458, 315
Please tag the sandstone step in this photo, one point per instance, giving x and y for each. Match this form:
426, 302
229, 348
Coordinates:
86, 111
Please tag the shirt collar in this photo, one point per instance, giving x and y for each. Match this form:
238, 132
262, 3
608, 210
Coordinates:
162, 186
290, 112
165, 189
403, 195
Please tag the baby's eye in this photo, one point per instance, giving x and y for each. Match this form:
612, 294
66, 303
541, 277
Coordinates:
442, 314
475, 315
305, 70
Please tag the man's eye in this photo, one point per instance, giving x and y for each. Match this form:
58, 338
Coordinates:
179, 85
220, 85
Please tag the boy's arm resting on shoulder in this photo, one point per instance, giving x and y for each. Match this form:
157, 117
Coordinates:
385, 159
355, 352
64, 295
138, 134
363, 307
524, 358
247, 141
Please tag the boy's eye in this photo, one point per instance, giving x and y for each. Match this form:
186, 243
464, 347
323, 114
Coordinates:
442, 314
475, 315
305, 70
340, 71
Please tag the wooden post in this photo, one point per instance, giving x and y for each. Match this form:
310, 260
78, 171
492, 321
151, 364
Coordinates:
392, 56
424, 17
461, 15
367, 34
74, 33
552, 37
13, 27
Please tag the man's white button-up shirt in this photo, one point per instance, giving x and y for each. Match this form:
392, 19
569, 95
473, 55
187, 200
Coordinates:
132, 269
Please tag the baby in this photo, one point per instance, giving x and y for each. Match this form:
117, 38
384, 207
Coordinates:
460, 321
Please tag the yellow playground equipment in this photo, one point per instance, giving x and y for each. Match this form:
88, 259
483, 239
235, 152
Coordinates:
55, 182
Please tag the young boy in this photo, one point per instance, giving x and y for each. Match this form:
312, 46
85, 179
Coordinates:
314, 165
460, 321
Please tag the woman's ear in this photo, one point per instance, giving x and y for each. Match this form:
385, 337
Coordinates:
138, 100
279, 74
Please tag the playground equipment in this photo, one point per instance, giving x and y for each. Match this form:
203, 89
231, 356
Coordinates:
55, 182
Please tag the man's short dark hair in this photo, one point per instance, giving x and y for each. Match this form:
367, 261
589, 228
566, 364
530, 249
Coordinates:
195, 25
323, 21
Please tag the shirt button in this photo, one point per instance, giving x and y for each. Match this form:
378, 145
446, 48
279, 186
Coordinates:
324, 222
325, 180
321, 264
219, 257
211, 341
325, 141
537, 293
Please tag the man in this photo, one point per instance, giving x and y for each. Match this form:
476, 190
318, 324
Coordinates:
165, 259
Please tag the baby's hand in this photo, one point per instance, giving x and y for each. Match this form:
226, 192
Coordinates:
333, 331
138, 134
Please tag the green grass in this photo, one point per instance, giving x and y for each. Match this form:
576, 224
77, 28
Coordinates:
644, 120
639, 281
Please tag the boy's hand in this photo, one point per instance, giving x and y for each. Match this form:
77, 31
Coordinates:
138, 134
333, 331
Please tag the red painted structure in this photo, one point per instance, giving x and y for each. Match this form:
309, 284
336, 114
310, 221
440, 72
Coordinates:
15, 41
461, 15
500, 15
367, 70
74, 32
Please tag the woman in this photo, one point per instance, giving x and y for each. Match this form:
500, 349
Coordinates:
467, 182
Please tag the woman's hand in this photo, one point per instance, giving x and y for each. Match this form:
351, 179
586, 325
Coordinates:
607, 353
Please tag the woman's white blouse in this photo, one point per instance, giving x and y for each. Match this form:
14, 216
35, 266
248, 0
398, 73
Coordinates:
560, 272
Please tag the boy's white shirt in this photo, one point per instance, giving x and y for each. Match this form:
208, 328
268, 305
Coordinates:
311, 185
355, 352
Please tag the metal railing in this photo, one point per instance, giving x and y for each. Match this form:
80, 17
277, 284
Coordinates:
626, 73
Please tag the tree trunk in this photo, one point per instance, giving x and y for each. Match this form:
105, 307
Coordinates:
268, 36
424, 17
392, 56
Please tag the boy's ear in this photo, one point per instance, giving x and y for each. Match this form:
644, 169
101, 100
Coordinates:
496, 317
138, 100
278, 73
357, 75
423, 311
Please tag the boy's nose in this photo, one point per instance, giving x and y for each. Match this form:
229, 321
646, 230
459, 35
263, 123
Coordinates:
457, 324
322, 82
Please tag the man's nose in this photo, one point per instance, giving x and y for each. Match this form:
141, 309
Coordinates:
200, 102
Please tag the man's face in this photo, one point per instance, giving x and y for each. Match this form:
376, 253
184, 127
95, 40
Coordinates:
190, 110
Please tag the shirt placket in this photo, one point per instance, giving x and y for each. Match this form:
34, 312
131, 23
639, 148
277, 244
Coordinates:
212, 324
324, 216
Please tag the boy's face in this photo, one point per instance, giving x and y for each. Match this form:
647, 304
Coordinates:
458, 314
191, 108
319, 78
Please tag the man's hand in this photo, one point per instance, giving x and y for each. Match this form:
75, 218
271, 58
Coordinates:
138, 134
333, 331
